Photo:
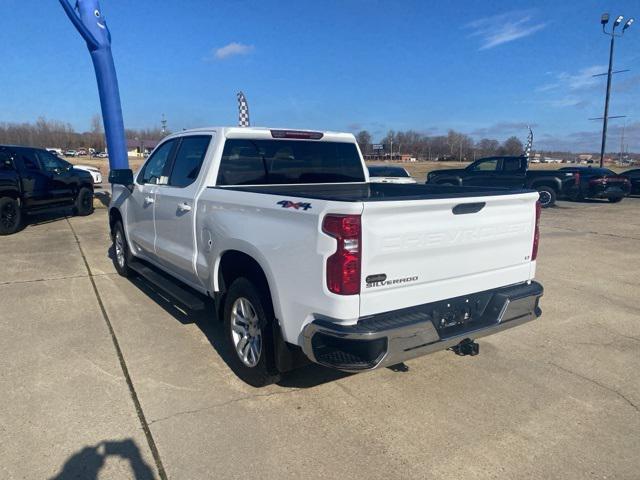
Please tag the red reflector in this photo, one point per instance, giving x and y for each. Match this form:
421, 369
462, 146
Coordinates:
297, 134
576, 178
536, 233
343, 267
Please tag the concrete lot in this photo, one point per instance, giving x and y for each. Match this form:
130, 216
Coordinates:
556, 398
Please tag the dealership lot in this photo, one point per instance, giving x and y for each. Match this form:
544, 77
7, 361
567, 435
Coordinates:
555, 398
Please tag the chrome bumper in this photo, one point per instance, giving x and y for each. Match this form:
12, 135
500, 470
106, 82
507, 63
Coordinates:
393, 337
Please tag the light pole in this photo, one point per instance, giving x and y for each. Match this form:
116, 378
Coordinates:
604, 20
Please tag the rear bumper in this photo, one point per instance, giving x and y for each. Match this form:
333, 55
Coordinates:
610, 191
393, 337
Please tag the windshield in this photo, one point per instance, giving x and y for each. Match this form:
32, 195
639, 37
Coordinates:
376, 171
265, 162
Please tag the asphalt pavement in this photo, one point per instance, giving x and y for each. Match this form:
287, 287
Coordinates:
103, 377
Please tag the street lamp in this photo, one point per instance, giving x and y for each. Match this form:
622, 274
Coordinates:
604, 20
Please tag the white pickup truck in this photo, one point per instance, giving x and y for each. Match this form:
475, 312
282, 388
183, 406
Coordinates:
306, 259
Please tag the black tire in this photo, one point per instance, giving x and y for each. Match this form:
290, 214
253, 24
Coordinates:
547, 196
263, 372
10, 216
84, 202
615, 199
121, 258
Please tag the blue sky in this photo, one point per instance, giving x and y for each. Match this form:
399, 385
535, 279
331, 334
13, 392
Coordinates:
484, 68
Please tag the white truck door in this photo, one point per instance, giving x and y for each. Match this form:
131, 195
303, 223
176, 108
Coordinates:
141, 203
175, 208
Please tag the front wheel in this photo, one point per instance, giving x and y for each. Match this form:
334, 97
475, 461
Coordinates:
547, 196
84, 202
122, 257
615, 199
10, 216
248, 321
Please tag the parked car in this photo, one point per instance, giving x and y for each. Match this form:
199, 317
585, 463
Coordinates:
81, 153
33, 180
592, 182
634, 177
101, 155
70, 153
305, 258
389, 174
56, 151
95, 172
509, 172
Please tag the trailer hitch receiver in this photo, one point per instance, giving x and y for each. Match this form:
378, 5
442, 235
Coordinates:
466, 347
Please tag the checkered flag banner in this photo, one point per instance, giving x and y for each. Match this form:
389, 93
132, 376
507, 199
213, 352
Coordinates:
527, 150
243, 111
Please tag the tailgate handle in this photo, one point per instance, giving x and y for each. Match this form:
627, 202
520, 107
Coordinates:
463, 208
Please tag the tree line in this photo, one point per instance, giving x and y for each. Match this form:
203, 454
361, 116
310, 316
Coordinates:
56, 134
454, 145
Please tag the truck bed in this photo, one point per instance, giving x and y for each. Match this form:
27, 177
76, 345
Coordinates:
375, 192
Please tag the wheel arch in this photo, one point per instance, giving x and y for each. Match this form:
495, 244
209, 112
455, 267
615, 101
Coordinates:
233, 264
114, 217
554, 183
10, 193
448, 181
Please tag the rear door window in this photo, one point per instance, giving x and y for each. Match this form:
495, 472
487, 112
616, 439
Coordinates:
28, 158
188, 161
511, 164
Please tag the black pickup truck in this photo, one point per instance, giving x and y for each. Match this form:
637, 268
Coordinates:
513, 172
34, 180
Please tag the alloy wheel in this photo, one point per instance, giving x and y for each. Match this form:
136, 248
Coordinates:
245, 332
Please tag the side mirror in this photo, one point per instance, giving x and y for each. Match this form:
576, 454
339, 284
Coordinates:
121, 176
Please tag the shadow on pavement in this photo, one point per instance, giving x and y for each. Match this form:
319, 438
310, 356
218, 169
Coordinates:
44, 218
87, 463
305, 377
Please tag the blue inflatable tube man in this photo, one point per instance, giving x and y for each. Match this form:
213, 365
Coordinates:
87, 17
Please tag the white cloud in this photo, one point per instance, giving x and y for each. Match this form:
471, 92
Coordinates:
504, 28
572, 89
230, 50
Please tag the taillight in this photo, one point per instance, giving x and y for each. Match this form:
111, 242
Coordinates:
343, 267
536, 233
576, 178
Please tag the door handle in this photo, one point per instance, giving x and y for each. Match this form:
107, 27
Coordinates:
184, 207
148, 200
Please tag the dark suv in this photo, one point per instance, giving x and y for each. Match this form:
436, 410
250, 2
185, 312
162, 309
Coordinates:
34, 180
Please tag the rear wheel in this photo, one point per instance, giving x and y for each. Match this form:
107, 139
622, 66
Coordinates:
615, 199
10, 216
248, 318
547, 196
84, 202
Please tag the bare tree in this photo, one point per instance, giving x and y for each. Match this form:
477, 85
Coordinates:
511, 146
97, 133
487, 147
364, 141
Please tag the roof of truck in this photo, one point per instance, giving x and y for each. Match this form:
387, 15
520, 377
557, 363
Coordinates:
265, 132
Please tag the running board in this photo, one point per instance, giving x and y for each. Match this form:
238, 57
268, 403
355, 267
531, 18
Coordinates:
169, 285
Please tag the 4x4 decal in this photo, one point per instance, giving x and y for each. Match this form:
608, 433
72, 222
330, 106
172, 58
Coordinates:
296, 205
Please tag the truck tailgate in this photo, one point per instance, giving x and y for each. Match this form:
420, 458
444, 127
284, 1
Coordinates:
420, 251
